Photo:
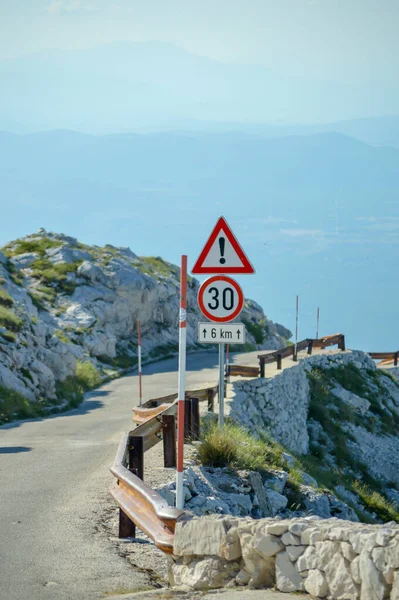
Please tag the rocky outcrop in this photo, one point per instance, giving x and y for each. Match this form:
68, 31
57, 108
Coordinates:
326, 558
219, 490
71, 302
341, 410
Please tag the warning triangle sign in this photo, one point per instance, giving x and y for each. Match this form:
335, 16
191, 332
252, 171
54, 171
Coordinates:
222, 253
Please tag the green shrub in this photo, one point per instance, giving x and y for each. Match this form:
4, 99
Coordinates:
14, 405
87, 375
5, 299
257, 330
9, 319
73, 387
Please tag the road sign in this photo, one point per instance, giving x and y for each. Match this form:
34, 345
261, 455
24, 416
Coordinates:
215, 333
220, 299
222, 253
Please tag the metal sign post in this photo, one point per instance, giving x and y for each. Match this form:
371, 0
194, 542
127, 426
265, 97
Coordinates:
139, 358
221, 385
220, 298
181, 382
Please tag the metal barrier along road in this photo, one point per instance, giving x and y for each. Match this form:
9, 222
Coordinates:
138, 503
309, 344
386, 358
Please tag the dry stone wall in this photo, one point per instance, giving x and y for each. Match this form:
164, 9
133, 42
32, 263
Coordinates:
333, 559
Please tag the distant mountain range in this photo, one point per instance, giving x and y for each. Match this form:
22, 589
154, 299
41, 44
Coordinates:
318, 215
123, 87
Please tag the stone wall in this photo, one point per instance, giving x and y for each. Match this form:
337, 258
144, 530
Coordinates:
326, 558
280, 404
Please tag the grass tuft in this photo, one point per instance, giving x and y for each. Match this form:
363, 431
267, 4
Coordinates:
5, 299
235, 447
376, 503
9, 319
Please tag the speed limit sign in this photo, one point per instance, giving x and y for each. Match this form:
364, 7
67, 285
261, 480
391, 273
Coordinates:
220, 299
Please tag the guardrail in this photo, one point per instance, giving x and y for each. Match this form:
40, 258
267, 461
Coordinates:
307, 344
241, 371
138, 503
386, 357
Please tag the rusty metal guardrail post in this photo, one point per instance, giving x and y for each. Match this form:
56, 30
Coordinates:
195, 419
211, 400
169, 440
187, 419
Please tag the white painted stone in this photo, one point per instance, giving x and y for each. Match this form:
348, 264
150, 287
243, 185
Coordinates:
287, 577
315, 584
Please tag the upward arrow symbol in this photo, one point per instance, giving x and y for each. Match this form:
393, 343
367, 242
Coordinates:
238, 333
204, 332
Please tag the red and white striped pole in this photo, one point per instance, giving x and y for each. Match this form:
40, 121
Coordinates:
139, 357
181, 382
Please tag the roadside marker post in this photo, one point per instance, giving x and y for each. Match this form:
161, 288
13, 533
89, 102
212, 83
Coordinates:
181, 382
220, 298
139, 359
317, 322
295, 356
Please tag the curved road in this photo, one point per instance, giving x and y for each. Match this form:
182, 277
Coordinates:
54, 476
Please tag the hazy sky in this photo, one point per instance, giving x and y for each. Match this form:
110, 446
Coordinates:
341, 40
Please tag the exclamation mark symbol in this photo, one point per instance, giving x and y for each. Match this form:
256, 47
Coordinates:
222, 243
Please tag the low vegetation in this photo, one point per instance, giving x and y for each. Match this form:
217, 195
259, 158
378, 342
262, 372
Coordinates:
235, 447
14, 405
73, 387
5, 299
334, 415
40, 245
155, 265
256, 329
9, 319
54, 275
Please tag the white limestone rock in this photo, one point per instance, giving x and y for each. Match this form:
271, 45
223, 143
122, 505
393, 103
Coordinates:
276, 502
315, 584
373, 586
287, 577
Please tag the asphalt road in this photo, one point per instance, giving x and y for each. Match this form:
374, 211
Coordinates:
54, 478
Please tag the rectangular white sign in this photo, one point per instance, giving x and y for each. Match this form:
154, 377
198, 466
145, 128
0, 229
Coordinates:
219, 333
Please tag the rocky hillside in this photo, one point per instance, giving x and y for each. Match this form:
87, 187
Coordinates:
68, 319
339, 417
